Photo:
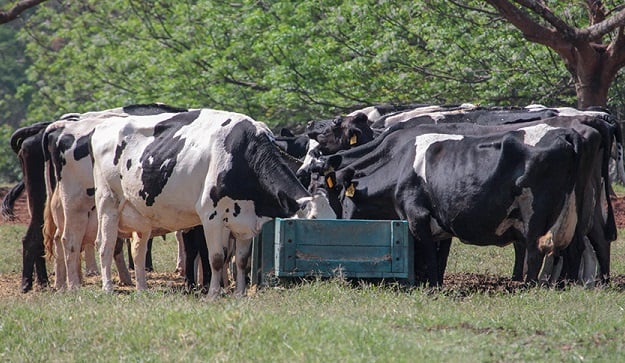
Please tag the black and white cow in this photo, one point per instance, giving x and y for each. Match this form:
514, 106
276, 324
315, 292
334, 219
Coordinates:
484, 185
26, 142
155, 174
69, 176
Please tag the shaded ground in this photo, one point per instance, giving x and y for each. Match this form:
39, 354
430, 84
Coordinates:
456, 284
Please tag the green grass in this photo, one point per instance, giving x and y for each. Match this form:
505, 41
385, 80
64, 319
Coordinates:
316, 321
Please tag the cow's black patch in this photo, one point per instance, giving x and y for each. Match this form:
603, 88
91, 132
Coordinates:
257, 173
237, 210
151, 109
213, 215
119, 149
82, 146
55, 151
225, 123
128, 164
91, 192
159, 157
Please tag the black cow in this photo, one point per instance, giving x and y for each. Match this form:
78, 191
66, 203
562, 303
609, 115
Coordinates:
485, 185
26, 143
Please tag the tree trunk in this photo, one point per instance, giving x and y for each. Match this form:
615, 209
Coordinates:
592, 82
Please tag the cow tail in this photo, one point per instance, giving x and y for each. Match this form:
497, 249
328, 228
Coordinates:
23, 133
609, 228
49, 227
9, 201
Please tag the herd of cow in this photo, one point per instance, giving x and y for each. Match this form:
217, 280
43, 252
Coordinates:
535, 177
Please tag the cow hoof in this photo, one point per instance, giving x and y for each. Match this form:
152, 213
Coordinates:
93, 273
26, 286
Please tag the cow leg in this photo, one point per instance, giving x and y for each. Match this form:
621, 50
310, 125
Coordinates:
91, 265
108, 221
203, 253
120, 263
425, 248
131, 263
519, 261
216, 239
148, 257
601, 247
534, 262
191, 252
72, 237
33, 258
60, 273
139, 251
442, 254
180, 260
243, 251
588, 270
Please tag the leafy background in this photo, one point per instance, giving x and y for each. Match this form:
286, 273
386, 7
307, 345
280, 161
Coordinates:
281, 62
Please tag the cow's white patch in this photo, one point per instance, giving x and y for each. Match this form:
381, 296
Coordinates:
533, 134
238, 216
315, 207
523, 203
422, 143
310, 156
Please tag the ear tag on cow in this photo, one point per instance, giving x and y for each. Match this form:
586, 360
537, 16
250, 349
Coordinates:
329, 182
353, 140
349, 192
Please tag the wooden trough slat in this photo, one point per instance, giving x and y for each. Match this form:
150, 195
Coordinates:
367, 249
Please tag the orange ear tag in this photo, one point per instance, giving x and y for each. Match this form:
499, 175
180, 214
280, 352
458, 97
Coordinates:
353, 140
350, 190
329, 182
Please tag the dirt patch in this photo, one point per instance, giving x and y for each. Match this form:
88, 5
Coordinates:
618, 203
20, 209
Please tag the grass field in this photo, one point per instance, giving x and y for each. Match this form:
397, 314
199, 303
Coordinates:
315, 321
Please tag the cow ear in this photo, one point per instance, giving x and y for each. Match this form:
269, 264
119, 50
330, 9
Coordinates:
360, 118
286, 132
334, 162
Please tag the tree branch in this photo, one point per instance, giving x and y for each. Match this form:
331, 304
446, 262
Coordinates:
598, 30
596, 11
544, 12
532, 30
17, 9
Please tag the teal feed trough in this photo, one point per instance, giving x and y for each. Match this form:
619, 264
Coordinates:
367, 249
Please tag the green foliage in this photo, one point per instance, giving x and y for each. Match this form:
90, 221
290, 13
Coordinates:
281, 62
10, 170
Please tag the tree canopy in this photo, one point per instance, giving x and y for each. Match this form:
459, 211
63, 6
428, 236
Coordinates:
282, 62
286, 62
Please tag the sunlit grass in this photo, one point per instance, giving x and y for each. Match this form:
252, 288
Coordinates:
315, 321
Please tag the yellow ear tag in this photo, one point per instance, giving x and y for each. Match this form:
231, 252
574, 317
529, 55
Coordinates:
350, 190
329, 182
353, 140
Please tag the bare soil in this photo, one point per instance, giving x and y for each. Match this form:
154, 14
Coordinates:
456, 284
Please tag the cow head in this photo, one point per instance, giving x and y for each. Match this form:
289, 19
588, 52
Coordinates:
316, 207
341, 133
